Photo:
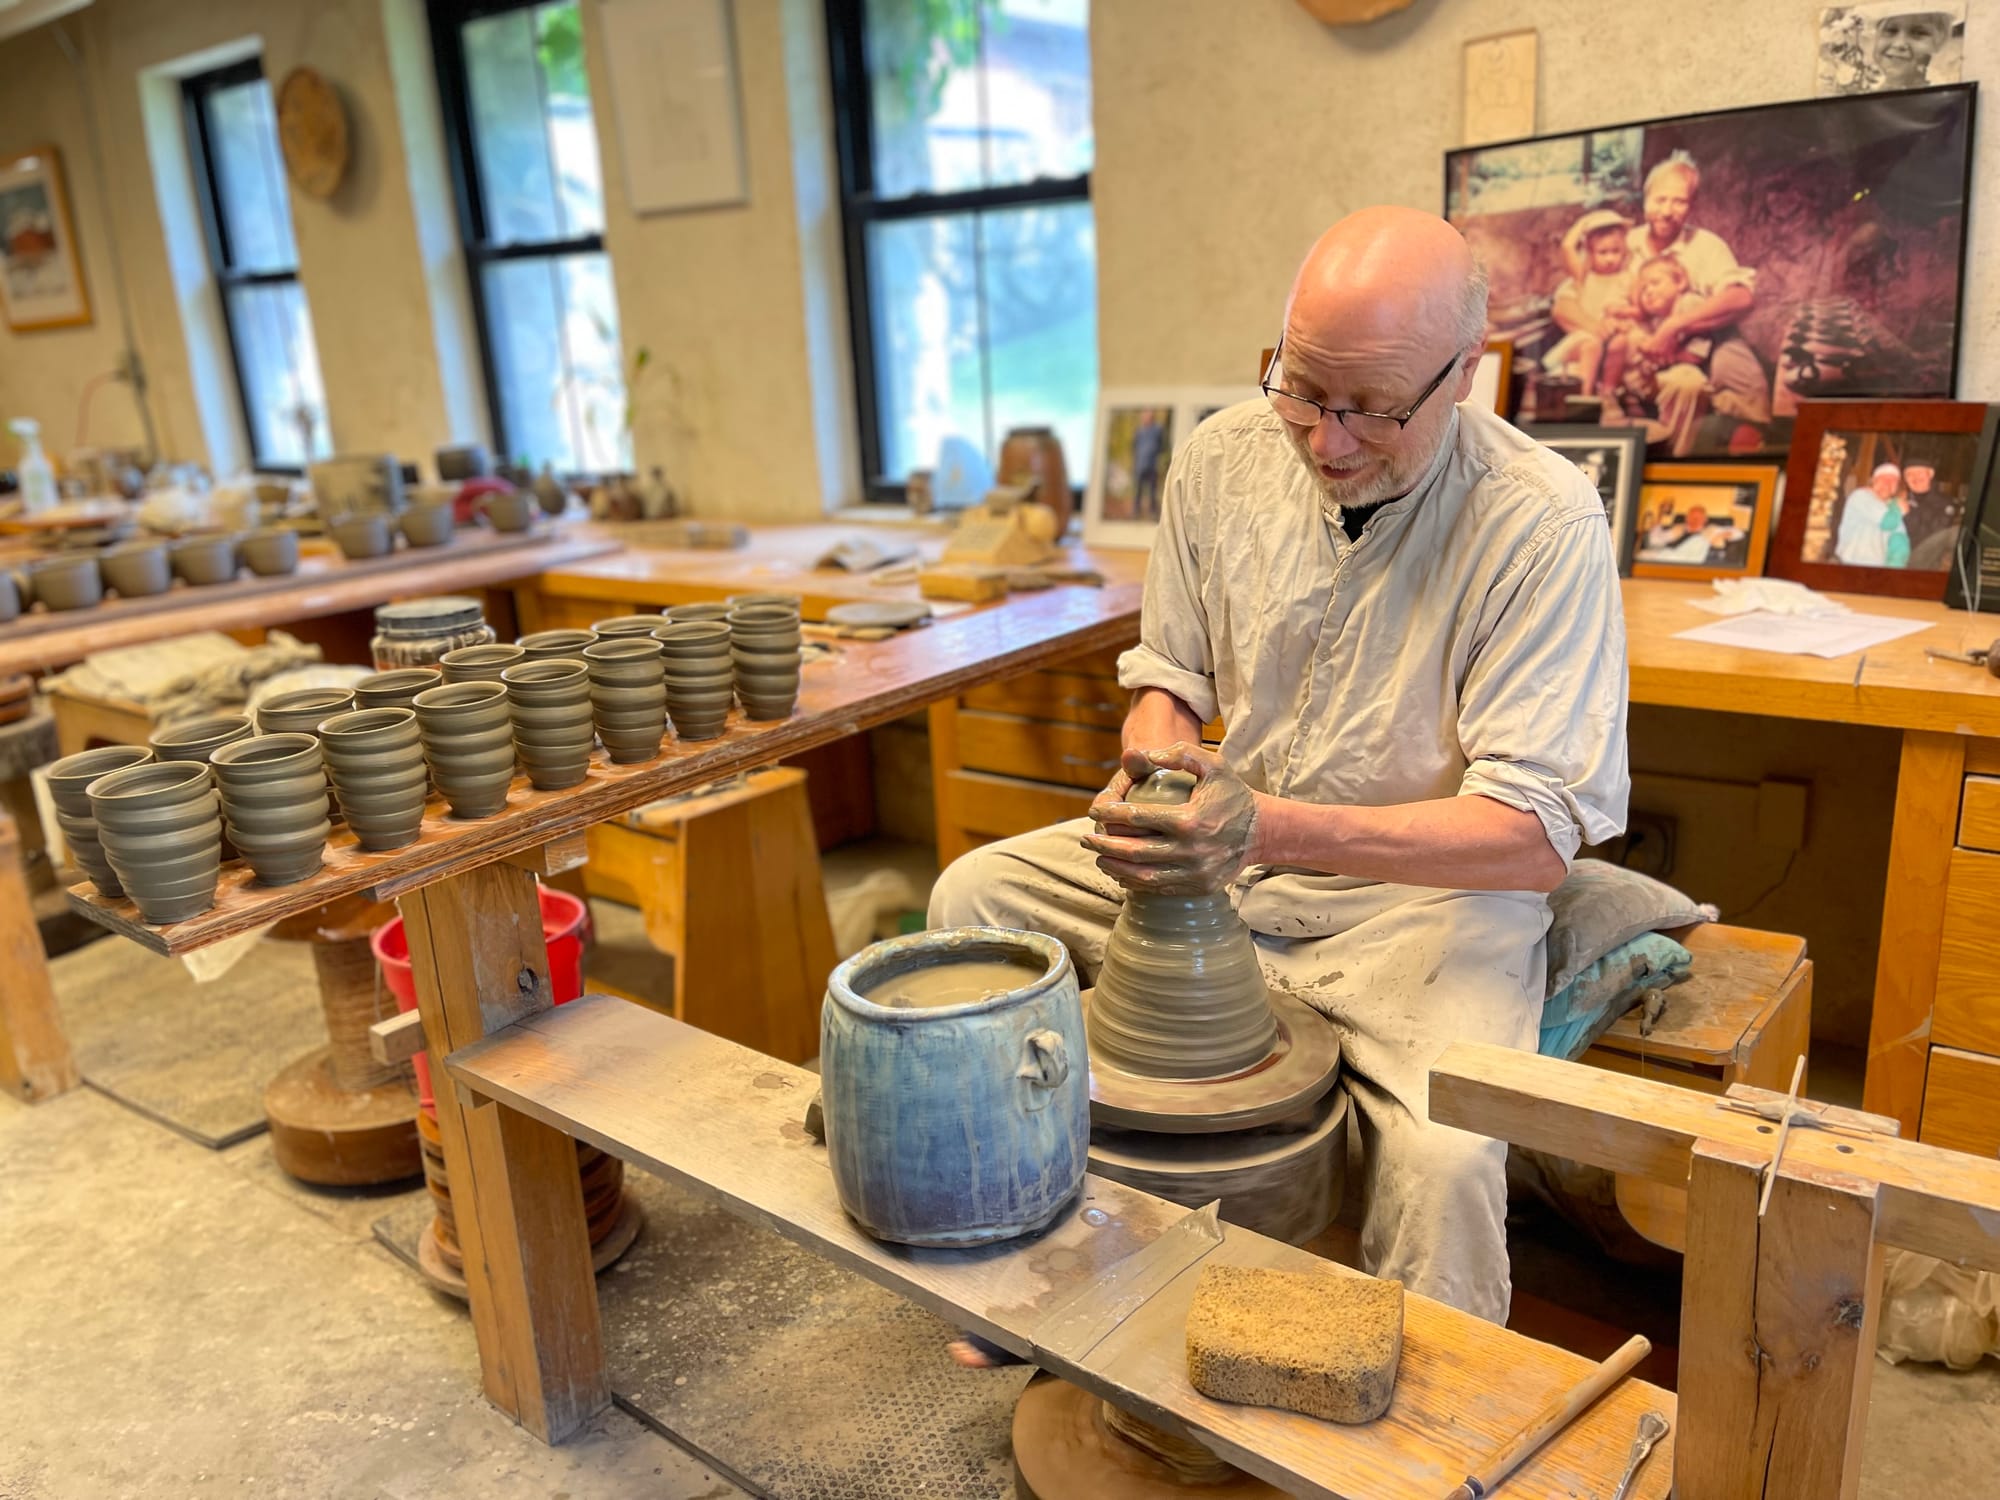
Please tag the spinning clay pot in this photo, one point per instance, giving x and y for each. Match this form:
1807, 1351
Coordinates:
272, 552
628, 696
67, 582
955, 1085
273, 791
137, 569
479, 663
161, 828
68, 778
468, 740
203, 560
427, 525
549, 702
363, 536
375, 761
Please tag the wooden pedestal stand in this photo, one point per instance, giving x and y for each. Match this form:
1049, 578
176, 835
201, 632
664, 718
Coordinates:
1778, 1308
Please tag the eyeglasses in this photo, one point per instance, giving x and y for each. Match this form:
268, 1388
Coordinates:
1368, 426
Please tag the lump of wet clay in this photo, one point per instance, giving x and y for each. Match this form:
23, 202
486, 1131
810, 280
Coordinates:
1326, 1345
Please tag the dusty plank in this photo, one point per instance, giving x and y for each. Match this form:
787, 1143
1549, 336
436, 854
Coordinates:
725, 1122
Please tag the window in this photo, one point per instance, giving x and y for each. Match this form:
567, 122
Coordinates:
965, 154
531, 208
247, 214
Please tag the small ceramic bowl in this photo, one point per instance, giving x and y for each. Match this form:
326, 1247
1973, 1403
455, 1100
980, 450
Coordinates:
137, 569
272, 552
510, 512
363, 536
201, 560
427, 525
67, 582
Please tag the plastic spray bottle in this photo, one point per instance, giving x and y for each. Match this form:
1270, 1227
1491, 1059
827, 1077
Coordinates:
38, 480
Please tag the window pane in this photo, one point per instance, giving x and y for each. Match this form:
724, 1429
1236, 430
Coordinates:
531, 127
984, 322
279, 367
978, 93
561, 385
252, 202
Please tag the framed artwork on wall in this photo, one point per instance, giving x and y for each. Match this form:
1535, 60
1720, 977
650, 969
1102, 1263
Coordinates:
41, 273
1699, 521
1613, 460
1816, 247
1138, 431
1879, 494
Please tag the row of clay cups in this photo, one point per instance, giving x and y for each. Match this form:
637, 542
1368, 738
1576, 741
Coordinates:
135, 570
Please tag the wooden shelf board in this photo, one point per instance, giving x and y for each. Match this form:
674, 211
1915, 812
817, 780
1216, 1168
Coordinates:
725, 1122
863, 684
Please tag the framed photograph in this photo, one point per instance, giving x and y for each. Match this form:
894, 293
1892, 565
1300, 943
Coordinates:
1612, 459
41, 274
1494, 377
1876, 45
1703, 520
1137, 430
1880, 491
1818, 246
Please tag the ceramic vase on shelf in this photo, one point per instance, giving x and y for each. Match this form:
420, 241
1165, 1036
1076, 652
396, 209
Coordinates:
701, 680
549, 702
628, 696
557, 645
1034, 455
68, 778
510, 510
161, 827
468, 740
426, 525
375, 760
479, 663
396, 689
273, 790
303, 710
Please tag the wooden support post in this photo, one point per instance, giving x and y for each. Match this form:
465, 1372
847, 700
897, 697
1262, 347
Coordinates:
35, 1061
1778, 1318
480, 965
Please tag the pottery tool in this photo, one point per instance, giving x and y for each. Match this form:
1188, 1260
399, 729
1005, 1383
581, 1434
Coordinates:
1652, 1427
1552, 1419
1784, 1134
1092, 1312
1985, 657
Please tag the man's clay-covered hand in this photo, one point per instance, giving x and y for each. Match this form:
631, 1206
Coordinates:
1185, 850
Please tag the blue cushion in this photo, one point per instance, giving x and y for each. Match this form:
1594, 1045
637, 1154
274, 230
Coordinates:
1584, 1009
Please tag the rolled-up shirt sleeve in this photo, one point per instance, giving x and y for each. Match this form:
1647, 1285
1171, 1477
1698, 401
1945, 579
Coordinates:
1542, 709
1173, 651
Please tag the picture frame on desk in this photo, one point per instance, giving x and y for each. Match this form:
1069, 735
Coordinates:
1613, 459
1697, 521
1139, 430
1880, 491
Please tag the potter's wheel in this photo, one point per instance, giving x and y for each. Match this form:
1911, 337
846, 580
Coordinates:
1298, 1070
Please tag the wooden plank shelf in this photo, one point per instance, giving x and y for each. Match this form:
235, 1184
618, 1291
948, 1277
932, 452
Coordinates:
725, 1122
864, 683
42, 639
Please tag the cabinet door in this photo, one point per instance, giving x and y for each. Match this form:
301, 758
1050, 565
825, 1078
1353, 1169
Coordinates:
1968, 982
1962, 1102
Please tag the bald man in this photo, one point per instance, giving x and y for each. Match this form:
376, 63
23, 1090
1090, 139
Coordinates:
1406, 613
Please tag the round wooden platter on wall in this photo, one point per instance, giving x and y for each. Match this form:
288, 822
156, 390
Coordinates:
1352, 12
312, 129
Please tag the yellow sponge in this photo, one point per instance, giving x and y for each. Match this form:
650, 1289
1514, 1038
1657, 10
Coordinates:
1323, 1344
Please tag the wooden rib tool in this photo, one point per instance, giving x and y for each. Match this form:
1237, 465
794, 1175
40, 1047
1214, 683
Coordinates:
1551, 1420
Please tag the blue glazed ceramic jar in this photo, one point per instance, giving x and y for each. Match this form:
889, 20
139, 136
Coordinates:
955, 1085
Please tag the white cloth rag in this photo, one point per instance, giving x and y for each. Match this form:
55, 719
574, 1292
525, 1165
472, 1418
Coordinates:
1778, 596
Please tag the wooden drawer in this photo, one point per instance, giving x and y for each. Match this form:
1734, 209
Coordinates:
998, 807
1979, 814
1064, 696
1968, 981
1039, 751
1962, 1102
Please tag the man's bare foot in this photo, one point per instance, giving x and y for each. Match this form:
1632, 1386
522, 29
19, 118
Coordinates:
972, 1352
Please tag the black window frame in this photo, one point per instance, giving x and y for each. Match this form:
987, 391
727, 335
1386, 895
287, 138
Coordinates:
861, 207
447, 19
195, 91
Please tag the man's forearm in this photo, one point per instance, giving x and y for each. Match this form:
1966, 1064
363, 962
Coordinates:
1470, 843
1158, 719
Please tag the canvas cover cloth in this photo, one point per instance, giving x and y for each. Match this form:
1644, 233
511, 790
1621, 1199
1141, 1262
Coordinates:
1470, 642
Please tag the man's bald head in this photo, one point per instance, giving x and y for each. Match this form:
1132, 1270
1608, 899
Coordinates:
1392, 266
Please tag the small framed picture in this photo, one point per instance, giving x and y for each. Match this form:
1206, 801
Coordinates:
1703, 520
1613, 460
1881, 490
1494, 377
41, 274
1137, 430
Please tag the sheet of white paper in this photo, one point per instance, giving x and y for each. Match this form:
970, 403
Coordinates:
1792, 635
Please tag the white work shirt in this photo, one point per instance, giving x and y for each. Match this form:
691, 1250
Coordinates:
1703, 254
1472, 641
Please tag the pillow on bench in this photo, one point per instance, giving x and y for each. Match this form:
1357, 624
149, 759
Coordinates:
1606, 948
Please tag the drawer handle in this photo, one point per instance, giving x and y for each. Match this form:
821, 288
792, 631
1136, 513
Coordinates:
1095, 765
1102, 708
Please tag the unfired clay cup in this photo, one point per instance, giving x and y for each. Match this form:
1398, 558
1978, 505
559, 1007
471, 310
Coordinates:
363, 536
553, 728
272, 552
557, 645
202, 560
199, 738
628, 696
683, 614
273, 790
479, 663
137, 569
10, 597
468, 740
161, 828
787, 601
67, 582
67, 779
627, 625
510, 512
427, 525
375, 761
397, 689
303, 710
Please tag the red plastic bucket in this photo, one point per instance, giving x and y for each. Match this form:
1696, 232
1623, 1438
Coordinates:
562, 929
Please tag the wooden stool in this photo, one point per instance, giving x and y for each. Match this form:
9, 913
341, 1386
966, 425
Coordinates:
1743, 1016
728, 883
84, 722
337, 1116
